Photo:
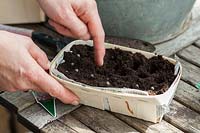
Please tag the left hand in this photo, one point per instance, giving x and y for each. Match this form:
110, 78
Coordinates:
77, 19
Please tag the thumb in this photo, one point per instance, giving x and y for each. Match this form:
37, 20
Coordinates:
39, 56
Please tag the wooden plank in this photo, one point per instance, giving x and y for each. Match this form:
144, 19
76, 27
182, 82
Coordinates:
17, 101
197, 43
185, 39
188, 96
100, 121
183, 118
38, 117
74, 124
191, 54
190, 72
57, 127
148, 127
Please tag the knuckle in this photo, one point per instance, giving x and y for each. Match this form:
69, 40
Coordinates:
82, 31
31, 74
62, 15
55, 92
58, 17
91, 4
102, 34
43, 55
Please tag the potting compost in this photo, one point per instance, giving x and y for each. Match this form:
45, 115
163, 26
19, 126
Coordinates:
121, 69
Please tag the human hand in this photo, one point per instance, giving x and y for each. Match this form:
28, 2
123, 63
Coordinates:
23, 65
77, 19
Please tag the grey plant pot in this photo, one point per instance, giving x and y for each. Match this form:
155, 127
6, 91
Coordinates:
149, 20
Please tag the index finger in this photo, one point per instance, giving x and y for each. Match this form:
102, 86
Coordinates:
96, 30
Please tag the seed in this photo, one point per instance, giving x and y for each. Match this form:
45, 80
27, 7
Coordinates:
137, 85
72, 64
76, 70
71, 51
66, 71
152, 88
78, 55
107, 82
92, 75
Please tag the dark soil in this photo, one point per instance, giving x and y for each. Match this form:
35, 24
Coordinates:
120, 69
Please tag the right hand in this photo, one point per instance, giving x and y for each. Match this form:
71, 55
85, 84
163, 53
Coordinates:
23, 65
77, 19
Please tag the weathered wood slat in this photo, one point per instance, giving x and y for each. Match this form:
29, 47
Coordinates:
74, 124
190, 72
188, 96
17, 101
57, 127
191, 54
148, 127
100, 121
187, 38
183, 118
39, 117
197, 43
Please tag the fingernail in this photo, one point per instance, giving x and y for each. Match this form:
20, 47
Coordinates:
101, 63
75, 103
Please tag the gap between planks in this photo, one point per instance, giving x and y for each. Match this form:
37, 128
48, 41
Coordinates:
183, 118
191, 54
190, 72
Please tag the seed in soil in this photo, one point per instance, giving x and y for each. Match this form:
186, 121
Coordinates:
107, 82
137, 86
76, 70
72, 64
92, 75
152, 88
78, 55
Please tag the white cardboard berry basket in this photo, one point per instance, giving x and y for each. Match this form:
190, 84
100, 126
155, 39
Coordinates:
130, 102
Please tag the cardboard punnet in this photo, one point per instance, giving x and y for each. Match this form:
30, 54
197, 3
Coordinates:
136, 104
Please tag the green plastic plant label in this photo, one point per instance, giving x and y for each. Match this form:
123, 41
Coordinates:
46, 101
198, 86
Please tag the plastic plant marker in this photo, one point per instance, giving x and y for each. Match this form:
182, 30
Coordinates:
49, 106
198, 86
46, 101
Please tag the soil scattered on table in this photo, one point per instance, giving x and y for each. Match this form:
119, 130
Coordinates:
120, 69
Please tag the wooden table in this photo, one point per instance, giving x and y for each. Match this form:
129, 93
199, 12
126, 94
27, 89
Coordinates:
184, 115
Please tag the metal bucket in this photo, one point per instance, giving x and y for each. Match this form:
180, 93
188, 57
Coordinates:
153, 21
